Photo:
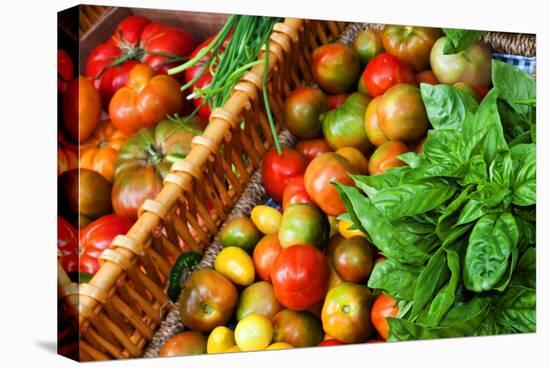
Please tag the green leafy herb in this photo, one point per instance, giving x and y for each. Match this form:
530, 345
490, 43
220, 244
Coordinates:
459, 39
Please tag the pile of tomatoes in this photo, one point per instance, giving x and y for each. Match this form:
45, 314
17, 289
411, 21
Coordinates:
296, 276
119, 132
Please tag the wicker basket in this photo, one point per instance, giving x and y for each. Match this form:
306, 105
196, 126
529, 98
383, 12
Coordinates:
123, 305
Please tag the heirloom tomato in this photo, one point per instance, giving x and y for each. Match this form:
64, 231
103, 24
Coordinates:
426, 76
384, 306
207, 300
295, 193
411, 44
265, 253
357, 159
67, 245
324, 169
353, 259
184, 344
297, 328
145, 158
385, 157
83, 195
312, 148
303, 224
372, 124
100, 151
344, 126
401, 113
300, 277
145, 100
81, 109
336, 100
384, 71
368, 43
277, 170
304, 111
346, 313
240, 232
335, 67
97, 236
258, 298
471, 66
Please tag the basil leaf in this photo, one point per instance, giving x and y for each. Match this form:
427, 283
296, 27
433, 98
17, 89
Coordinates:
446, 106
380, 230
412, 159
370, 185
444, 146
445, 298
487, 120
395, 279
477, 171
450, 215
524, 183
470, 317
432, 277
525, 273
516, 125
459, 39
490, 246
528, 233
412, 198
513, 84
501, 170
517, 309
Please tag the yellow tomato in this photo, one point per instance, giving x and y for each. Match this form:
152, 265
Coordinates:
333, 223
356, 158
327, 337
343, 229
279, 345
220, 339
254, 332
236, 265
233, 349
266, 219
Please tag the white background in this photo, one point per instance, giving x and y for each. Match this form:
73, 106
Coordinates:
28, 179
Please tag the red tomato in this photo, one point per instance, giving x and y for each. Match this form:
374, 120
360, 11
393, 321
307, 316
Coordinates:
67, 244
385, 71
481, 91
65, 70
277, 170
426, 76
312, 148
384, 306
97, 236
295, 193
300, 277
336, 100
330, 342
129, 31
112, 80
264, 255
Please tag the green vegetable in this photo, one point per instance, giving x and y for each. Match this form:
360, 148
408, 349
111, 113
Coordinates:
185, 262
459, 39
457, 223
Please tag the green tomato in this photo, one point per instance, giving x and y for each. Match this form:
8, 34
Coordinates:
240, 232
304, 224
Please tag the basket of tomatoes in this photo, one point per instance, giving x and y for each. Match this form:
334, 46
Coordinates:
300, 262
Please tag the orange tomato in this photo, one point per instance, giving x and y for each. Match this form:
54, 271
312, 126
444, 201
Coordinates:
384, 306
81, 109
145, 100
100, 151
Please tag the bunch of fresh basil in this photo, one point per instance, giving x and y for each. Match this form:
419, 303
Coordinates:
457, 223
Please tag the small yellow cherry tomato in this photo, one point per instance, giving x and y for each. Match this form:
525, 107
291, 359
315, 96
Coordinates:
343, 229
266, 219
233, 349
236, 265
254, 332
356, 158
279, 345
220, 339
